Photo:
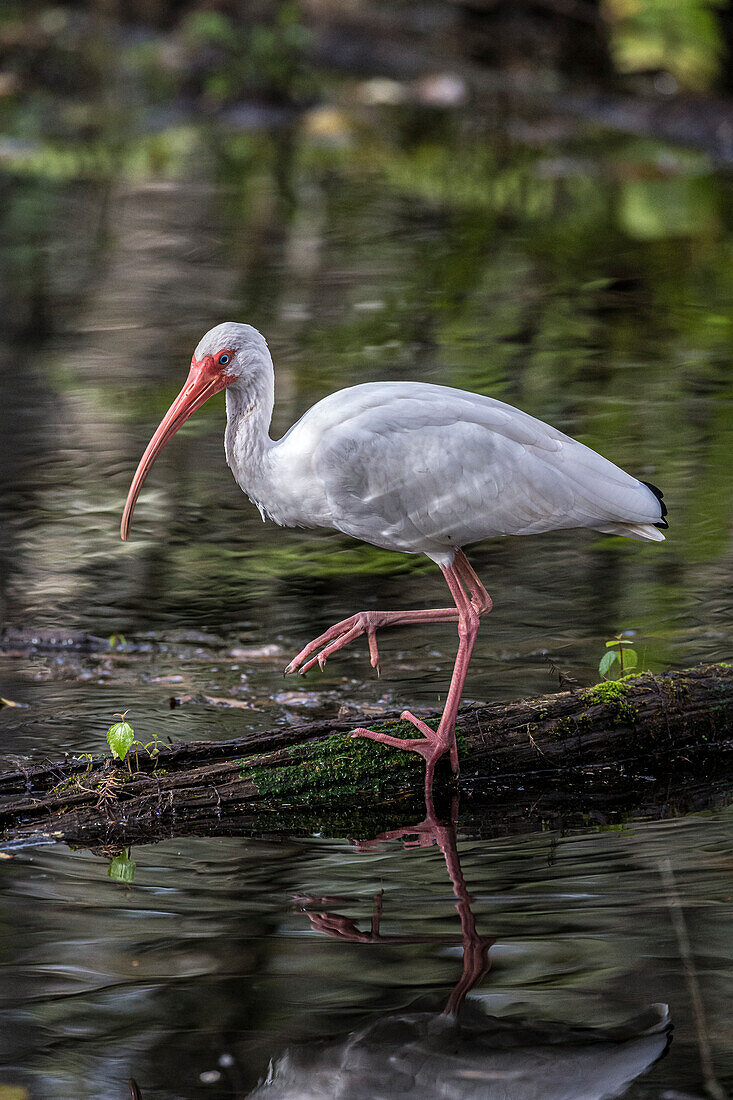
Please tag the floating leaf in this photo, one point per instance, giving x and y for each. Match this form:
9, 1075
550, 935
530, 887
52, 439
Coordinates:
119, 737
607, 661
122, 868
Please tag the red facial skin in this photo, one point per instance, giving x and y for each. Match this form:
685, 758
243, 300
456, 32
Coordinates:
206, 377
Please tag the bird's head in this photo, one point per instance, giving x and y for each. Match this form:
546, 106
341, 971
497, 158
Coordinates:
226, 354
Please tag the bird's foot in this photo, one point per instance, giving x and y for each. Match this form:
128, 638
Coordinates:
338, 636
431, 746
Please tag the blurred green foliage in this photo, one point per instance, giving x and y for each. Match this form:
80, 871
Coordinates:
679, 37
262, 57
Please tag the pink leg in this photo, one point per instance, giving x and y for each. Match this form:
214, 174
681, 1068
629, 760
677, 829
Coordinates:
434, 743
480, 598
369, 622
364, 622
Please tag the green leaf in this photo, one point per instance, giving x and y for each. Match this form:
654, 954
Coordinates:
630, 659
606, 661
618, 641
119, 738
122, 868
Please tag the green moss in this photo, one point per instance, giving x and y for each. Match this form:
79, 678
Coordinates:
612, 694
339, 766
563, 725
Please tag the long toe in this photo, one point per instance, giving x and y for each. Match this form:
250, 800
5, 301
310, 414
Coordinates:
336, 637
421, 745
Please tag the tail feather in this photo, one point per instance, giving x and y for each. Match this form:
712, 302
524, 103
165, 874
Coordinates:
644, 532
660, 497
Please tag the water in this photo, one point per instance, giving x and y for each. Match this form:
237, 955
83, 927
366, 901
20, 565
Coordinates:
583, 277
210, 953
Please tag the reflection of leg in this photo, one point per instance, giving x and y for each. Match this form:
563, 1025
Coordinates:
377, 914
476, 960
434, 743
343, 928
476, 948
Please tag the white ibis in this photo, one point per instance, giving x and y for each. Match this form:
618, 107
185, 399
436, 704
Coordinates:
408, 466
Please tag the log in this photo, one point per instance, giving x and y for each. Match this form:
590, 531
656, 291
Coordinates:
646, 745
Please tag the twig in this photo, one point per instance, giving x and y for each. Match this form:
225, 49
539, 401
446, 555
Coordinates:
677, 917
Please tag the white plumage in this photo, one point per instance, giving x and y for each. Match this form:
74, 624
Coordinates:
427, 469
408, 466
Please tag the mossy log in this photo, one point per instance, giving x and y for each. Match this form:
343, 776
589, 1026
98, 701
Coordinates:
635, 745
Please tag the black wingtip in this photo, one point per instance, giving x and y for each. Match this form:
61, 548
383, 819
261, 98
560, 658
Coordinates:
660, 497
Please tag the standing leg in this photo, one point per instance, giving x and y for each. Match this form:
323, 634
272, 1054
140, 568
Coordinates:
434, 743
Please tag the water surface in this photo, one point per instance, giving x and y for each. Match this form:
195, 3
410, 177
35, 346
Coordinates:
586, 278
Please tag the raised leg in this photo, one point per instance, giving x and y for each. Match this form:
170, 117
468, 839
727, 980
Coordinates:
364, 622
369, 622
434, 743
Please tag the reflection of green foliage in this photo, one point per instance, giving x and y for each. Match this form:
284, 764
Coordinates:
434, 174
682, 37
122, 868
162, 154
265, 55
663, 208
299, 556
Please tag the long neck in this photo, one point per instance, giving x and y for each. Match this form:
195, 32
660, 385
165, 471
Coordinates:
250, 401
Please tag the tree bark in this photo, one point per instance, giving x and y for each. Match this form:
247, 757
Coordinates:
644, 745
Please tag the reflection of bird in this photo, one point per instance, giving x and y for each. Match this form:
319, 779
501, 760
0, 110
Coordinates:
429, 1056
407, 466
444, 1056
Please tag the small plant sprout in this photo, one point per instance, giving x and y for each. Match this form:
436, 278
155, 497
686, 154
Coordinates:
618, 653
120, 737
152, 747
117, 641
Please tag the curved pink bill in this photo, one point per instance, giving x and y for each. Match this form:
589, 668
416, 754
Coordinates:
205, 378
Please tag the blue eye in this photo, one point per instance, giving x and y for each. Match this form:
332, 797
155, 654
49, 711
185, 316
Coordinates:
224, 359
